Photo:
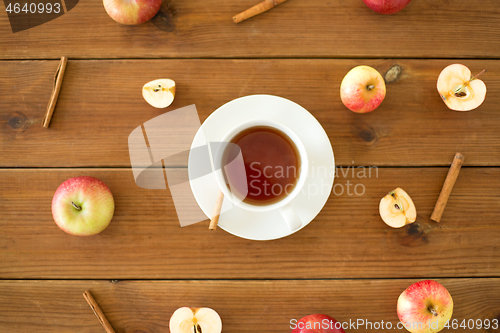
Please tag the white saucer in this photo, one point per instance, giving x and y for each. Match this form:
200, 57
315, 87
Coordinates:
319, 183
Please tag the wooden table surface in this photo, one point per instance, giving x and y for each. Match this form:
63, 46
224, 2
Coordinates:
346, 263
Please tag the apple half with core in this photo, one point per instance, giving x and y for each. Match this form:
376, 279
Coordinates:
387, 6
362, 89
195, 320
83, 206
425, 307
459, 90
317, 323
159, 93
131, 12
397, 209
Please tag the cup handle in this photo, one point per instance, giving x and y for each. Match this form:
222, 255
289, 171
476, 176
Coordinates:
291, 218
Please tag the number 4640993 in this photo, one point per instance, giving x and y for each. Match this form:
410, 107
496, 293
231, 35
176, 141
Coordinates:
471, 324
34, 8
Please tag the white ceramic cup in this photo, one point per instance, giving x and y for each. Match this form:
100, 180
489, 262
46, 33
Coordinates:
284, 205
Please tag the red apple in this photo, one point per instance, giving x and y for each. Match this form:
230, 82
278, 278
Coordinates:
387, 6
317, 323
425, 307
362, 89
132, 11
83, 206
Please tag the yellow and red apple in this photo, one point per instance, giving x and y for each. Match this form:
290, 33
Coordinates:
362, 89
189, 320
387, 6
159, 93
83, 206
317, 323
132, 12
397, 209
425, 307
460, 90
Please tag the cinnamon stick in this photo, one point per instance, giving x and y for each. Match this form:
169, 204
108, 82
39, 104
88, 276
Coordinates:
449, 182
98, 312
262, 7
58, 78
215, 216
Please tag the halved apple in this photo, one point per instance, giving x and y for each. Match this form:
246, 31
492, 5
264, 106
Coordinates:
397, 209
159, 93
459, 90
195, 320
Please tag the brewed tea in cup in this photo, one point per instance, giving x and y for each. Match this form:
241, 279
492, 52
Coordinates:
272, 172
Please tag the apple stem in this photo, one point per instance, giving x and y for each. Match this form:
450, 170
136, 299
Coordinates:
477, 75
76, 206
370, 87
433, 311
459, 93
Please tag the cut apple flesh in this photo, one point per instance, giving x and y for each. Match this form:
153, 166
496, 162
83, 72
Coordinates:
196, 320
159, 93
397, 209
460, 91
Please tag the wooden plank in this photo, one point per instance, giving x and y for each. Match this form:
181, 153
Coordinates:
312, 28
347, 239
101, 103
244, 306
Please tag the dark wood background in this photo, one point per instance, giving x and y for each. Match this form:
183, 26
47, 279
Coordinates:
347, 263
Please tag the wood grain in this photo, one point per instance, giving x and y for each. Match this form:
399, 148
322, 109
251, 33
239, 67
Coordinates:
299, 28
346, 240
357, 262
101, 103
244, 306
